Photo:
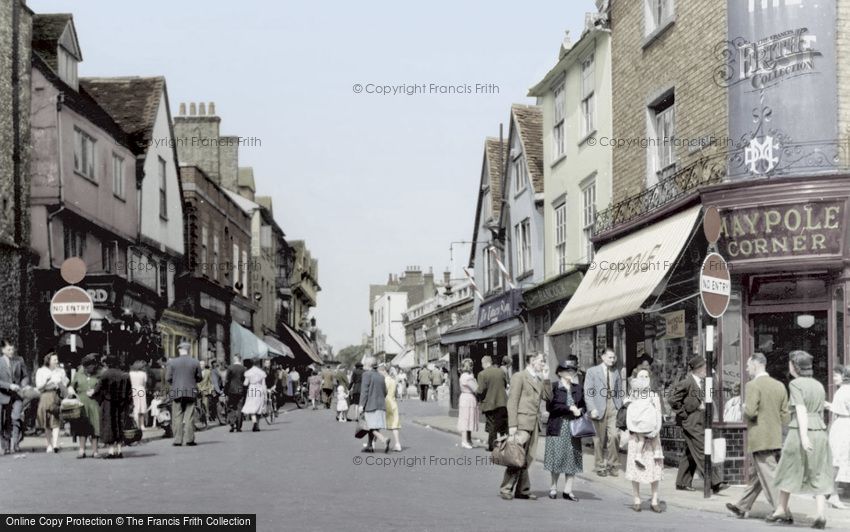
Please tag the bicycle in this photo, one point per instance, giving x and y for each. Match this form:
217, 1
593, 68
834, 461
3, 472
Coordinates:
200, 416
271, 407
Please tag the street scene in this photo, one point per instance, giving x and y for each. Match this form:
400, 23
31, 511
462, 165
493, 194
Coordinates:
583, 264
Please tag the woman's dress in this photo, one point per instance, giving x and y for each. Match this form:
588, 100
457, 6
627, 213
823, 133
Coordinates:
255, 397
467, 406
139, 381
88, 424
115, 394
393, 420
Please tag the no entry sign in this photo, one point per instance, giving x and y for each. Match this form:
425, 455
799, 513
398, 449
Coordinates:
715, 285
71, 308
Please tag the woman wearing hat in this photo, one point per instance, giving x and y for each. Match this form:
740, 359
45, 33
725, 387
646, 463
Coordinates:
563, 452
87, 426
114, 393
805, 465
839, 431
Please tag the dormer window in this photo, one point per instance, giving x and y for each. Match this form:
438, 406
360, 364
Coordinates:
67, 66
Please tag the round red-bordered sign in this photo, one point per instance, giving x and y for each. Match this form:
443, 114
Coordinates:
71, 308
715, 285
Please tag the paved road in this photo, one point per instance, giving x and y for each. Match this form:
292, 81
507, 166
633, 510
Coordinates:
305, 473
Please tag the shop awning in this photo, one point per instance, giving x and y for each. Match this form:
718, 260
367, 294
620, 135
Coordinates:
277, 348
302, 350
474, 334
246, 344
405, 361
625, 272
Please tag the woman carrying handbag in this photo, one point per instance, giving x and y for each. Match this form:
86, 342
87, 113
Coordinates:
563, 448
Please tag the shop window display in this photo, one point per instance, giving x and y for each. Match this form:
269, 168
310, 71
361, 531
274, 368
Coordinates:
731, 383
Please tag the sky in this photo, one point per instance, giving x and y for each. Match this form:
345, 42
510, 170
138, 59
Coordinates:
373, 182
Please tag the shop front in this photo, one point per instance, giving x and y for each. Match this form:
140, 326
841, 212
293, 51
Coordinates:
544, 303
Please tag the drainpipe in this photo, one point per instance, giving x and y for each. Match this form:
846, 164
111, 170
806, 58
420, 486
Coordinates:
60, 99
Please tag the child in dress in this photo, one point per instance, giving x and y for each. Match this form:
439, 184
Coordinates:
341, 403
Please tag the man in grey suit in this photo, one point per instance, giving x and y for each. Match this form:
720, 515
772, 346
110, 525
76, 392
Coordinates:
183, 375
766, 411
528, 388
493, 398
13, 377
603, 393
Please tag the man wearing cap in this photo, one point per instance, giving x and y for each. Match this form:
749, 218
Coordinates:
492, 386
183, 374
687, 401
603, 393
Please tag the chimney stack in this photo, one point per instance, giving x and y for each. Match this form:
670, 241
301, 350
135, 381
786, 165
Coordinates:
202, 109
192, 111
447, 277
212, 109
182, 108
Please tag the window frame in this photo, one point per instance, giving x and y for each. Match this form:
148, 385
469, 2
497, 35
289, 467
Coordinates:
118, 182
163, 188
588, 94
84, 165
588, 218
657, 15
520, 174
559, 150
74, 241
522, 247
662, 160
560, 231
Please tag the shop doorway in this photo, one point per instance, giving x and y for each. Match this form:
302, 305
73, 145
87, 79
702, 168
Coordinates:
775, 334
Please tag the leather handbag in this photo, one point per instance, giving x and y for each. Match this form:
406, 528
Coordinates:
362, 427
582, 427
508, 452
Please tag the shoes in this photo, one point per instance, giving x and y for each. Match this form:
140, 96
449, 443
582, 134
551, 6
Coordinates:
387, 448
175, 444
81, 456
119, 455
397, 448
601, 473
784, 519
232, 429
7, 451
526, 496
239, 430
466, 445
570, 497
719, 487
55, 450
636, 506
367, 450
613, 472
685, 488
49, 449
655, 508
740, 514
819, 523
191, 444
506, 496
553, 494
837, 504
255, 429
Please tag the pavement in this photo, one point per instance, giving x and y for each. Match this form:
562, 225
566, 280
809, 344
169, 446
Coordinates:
307, 472
802, 507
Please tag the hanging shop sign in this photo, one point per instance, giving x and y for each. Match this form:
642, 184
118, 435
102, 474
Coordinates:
500, 308
673, 325
813, 228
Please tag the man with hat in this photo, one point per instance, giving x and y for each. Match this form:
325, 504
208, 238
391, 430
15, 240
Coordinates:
183, 374
687, 402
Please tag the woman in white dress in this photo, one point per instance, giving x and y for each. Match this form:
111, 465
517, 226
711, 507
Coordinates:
139, 382
467, 416
51, 382
839, 431
255, 397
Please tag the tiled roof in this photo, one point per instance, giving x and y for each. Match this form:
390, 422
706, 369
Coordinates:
529, 122
495, 151
132, 101
46, 31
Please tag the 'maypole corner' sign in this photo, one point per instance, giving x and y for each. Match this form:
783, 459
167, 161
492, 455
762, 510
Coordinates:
715, 285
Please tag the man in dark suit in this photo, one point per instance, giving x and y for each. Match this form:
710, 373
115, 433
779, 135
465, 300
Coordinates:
687, 401
603, 394
424, 377
528, 388
492, 385
234, 388
356, 380
766, 411
13, 377
183, 375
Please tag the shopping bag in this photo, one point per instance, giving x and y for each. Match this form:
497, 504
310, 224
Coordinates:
508, 452
362, 428
582, 427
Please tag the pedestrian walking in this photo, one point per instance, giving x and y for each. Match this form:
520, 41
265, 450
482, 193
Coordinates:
528, 388
373, 404
805, 465
492, 396
13, 377
139, 382
255, 396
340, 377
424, 377
603, 393
114, 394
183, 374
341, 403
401, 379
327, 386
205, 387
766, 412
51, 382
563, 451
393, 419
644, 456
687, 401
468, 413
356, 381
87, 426
314, 390
839, 432
234, 387
436, 380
